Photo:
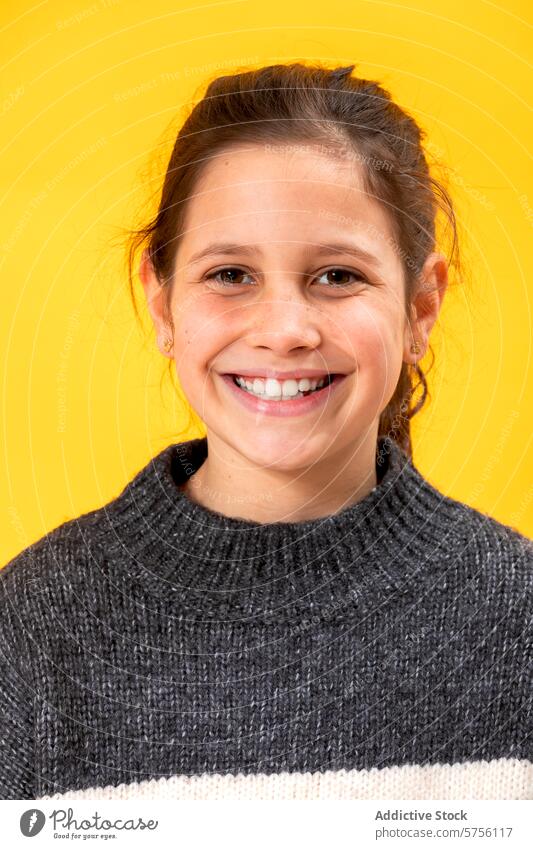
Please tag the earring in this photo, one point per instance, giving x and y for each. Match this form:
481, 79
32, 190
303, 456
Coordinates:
167, 344
415, 348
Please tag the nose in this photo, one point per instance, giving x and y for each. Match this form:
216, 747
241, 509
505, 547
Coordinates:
283, 320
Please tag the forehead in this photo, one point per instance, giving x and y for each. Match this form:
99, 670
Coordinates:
284, 192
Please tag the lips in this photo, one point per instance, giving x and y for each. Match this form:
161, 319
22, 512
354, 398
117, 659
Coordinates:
289, 406
295, 374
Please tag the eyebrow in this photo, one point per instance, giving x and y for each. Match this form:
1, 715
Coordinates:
321, 250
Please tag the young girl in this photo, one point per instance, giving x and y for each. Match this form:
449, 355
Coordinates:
284, 608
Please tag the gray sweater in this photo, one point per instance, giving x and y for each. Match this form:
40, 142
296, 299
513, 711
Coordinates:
154, 648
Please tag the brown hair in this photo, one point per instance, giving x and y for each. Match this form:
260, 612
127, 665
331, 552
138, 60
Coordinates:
299, 103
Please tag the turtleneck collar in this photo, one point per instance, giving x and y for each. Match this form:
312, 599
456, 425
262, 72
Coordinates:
211, 566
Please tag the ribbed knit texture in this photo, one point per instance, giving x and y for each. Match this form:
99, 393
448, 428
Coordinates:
154, 647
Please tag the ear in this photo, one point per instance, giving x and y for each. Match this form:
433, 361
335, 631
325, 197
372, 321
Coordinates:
156, 300
426, 304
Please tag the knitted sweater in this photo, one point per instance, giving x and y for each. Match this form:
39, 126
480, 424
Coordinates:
155, 648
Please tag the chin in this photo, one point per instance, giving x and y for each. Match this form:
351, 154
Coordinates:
277, 451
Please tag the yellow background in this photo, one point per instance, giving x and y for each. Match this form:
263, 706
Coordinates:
91, 94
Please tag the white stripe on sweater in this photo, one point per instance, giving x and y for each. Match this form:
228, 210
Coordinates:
505, 778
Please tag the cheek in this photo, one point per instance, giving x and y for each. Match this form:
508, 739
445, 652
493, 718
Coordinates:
375, 337
376, 340
201, 333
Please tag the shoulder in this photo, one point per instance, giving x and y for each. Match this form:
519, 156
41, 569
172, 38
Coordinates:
478, 584
456, 539
487, 536
484, 549
72, 558
73, 546
463, 523
451, 526
55, 563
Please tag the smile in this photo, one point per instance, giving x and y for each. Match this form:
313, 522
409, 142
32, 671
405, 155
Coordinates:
282, 398
275, 390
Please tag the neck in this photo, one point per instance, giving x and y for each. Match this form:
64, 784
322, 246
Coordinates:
236, 487
207, 565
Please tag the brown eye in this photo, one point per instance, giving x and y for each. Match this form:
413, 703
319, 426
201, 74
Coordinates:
227, 276
342, 277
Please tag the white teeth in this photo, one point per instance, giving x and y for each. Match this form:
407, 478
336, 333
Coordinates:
272, 388
276, 390
289, 388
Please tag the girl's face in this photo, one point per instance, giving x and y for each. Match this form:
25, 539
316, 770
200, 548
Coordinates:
286, 265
